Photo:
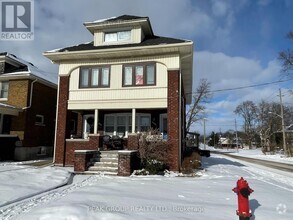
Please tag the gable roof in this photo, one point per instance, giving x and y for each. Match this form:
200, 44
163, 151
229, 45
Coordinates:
25, 68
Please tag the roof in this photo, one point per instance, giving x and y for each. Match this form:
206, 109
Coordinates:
117, 19
9, 109
27, 68
148, 41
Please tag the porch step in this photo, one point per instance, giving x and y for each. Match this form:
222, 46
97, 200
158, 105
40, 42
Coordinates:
106, 162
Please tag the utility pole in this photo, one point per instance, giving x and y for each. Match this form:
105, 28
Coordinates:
204, 132
283, 125
236, 135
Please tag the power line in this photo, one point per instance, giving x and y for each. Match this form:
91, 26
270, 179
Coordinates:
245, 87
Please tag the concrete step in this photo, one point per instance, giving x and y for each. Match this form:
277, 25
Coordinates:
105, 164
104, 169
104, 159
100, 173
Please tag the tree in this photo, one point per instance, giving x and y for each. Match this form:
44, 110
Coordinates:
286, 57
248, 111
195, 111
214, 139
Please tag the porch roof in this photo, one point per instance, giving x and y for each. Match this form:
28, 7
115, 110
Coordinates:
9, 109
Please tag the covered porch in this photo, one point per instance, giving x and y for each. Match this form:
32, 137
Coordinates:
121, 126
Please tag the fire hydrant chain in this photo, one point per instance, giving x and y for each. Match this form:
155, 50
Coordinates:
243, 191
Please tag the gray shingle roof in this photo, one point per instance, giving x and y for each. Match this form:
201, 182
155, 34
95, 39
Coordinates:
148, 41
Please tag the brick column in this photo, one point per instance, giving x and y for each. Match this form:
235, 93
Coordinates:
128, 161
82, 159
132, 142
173, 119
60, 147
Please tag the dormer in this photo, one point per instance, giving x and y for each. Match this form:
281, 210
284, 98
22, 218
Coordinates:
125, 29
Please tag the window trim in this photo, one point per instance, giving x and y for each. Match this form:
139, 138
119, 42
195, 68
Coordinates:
133, 67
1, 85
127, 124
42, 121
117, 33
90, 68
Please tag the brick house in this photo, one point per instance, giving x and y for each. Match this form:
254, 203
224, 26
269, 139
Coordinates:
27, 108
124, 82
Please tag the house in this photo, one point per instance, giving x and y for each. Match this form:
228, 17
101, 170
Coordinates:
124, 82
27, 109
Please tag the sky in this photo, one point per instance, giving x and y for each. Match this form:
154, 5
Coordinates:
236, 43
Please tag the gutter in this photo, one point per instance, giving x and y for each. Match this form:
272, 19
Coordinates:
31, 95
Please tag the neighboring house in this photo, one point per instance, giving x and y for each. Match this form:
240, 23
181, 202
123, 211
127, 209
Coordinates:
27, 108
126, 81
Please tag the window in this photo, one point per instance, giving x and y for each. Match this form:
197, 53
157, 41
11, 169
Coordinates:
139, 75
4, 89
93, 77
39, 120
122, 122
117, 36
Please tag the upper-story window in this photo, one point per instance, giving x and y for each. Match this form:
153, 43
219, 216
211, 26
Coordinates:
139, 74
4, 85
118, 36
94, 77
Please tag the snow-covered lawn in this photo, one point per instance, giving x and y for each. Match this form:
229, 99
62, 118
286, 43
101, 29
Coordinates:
19, 181
208, 196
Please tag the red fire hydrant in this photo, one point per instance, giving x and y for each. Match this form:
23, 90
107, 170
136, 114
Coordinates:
243, 191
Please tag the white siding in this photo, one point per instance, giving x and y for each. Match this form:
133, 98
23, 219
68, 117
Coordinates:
118, 96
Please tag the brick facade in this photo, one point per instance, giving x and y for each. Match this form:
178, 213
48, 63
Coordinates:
61, 120
43, 103
93, 143
173, 119
82, 159
128, 161
132, 142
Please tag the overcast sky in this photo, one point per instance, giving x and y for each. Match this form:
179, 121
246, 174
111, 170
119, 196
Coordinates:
236, 42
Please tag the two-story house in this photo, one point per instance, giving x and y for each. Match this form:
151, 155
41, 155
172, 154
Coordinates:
124, 82
28, 99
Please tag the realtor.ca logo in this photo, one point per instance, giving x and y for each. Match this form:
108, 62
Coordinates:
17, 20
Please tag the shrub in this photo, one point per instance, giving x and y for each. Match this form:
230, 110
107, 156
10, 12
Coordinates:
153, 151
155, 166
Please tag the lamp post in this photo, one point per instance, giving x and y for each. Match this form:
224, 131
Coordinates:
283, 129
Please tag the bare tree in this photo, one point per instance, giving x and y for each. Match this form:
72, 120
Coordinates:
248, 110
195, 111
286, 57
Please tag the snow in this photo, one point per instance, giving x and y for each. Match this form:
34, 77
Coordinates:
99, 21
207, 196
19, 181
50, 77
253, 153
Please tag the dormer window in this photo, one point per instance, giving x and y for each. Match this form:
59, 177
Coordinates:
118, 36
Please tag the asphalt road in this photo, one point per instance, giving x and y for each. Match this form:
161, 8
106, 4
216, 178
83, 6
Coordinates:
271, 164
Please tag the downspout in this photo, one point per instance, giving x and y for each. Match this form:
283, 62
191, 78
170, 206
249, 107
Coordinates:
180, 123
56, 122
31, 95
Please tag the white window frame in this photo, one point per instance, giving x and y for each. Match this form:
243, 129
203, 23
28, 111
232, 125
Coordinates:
42, 120
85, 118
127, 124
1, 86
115, 37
